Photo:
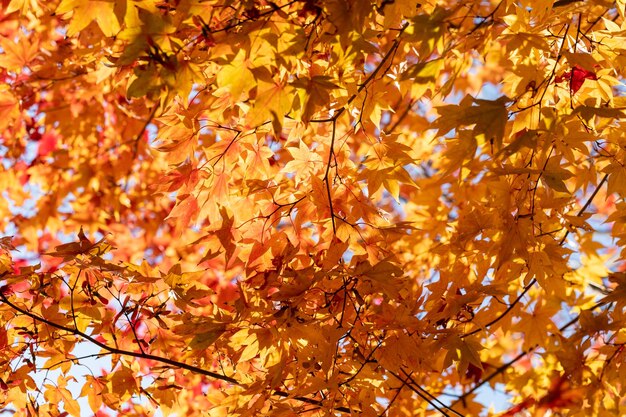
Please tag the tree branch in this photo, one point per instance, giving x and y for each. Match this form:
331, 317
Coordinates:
500, 369
534, 280
139, 355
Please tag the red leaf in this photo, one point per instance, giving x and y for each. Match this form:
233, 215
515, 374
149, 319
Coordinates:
184, 210
21, 166
47, 144
474, 372
579, 75
4, 340
576, 77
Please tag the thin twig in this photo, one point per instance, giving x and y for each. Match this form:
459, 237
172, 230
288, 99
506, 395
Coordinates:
147, 356
534, 280
500, 369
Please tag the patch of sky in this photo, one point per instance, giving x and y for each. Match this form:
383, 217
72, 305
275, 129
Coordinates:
347, 255
66, 205
619, 90
152, 258
397, 206
489, 91
424, 109
29, 206
91, 364
479, 20
495, 398
285, 223
30, 151
415, 171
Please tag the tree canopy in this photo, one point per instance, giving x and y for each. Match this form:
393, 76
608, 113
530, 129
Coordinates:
312, 208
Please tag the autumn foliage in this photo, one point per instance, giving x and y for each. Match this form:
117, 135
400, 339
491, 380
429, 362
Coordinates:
312, 208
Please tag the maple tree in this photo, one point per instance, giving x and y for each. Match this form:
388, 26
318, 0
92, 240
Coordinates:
307, 207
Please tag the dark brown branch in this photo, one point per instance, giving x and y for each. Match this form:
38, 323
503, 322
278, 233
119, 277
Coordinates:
534, 280
587, 204
364, 84
335, 117
435, 399
500, 369
147, 356
206, 30
401, 117
419, 394
561, 3
331, 153
117, 351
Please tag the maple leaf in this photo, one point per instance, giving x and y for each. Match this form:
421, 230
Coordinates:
576, 77
305, 162
273, 101
184, 210
373, 203
85, 12
22, 6
536, 329
8, 107
488, 117
555, 175
122, 382
465, 353
236, 77
6, 243
618, 294
17, 56
4, 339
83, 246
314, 94
47, 144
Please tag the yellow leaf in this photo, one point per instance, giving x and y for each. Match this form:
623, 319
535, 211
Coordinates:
203, 340
8, 107
554, 175
314, 94
93, 390
236, 77
69, 404
22, 6
122, 382
464, 352
273, 102
538, 325
250, 351
87, 11
18, 55
305, 163
617, 179
489, 118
